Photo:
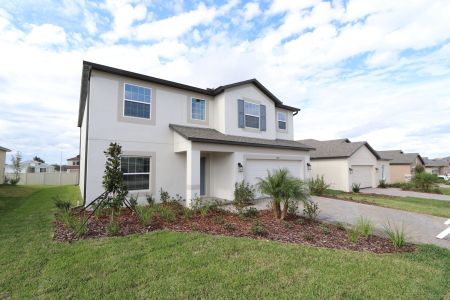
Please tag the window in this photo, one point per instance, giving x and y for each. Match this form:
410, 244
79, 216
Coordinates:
137, 101
198, 109
42, 170
136, 172
251, 112
282, 120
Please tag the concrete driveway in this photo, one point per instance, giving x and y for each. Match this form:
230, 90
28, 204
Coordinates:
401, 193
419, 228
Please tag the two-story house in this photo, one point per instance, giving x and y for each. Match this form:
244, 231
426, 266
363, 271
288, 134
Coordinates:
186, 140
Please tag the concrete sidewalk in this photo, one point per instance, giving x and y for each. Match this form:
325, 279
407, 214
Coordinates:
401, 193
419, 228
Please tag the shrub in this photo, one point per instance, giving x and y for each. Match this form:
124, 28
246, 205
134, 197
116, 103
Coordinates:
133, 201
61, 204
229, 226
6, 180
364, 227
219, 219
250, 212
353, 235
144, 215
406, 186
244, 194
150, 199
419, 169
164, 195
113, 228
287, 224
187, 213
396, 235
300, 221
317, 186
167, 214
258, 229
424, 181
382, 184
206, 205
311, 209
283, 188
325, 228
356, 187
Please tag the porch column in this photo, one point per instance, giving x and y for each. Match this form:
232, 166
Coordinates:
192, 175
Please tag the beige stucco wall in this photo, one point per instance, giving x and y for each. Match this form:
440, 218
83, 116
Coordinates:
398, 173
2, 166
363, 157
154, 138
334, 171
387, 170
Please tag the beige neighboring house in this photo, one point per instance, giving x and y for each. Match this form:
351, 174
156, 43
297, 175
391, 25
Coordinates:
2, 163
186, 140
402, 164
437, 166
73, 164
343, 163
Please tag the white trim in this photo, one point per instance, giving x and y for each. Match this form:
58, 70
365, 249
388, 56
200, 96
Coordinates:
149, 173
256, 116
278, 120
136, 101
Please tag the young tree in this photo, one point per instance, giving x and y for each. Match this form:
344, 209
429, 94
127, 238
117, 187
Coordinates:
113, 178
283, 188
17, 167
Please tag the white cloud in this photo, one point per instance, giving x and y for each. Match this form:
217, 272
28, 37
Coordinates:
251, 10
46, 34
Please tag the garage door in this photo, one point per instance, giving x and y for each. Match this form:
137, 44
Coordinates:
362, 175
257, 168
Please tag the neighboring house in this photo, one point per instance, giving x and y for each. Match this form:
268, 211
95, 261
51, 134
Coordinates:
402, 164
343, 163
32, 166
437, 166
183, 139
2, 163
73, 164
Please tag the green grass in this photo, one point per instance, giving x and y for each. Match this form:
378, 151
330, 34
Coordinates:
192, 265
445, 191
433, 207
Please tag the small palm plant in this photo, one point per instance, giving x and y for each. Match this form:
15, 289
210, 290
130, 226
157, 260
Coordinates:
284, 189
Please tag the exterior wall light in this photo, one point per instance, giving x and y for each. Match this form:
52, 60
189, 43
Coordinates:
240, 167
376, 170
309, 166
350, 170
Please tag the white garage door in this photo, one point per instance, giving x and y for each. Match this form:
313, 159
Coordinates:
257, 168
362, 175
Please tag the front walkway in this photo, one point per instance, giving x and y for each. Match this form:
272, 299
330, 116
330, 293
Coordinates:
419, 228
401, 193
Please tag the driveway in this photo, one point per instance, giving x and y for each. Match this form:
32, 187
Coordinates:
401, 193
419, 228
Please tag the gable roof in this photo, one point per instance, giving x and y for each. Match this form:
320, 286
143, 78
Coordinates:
340, 148
436, 162
209, 135
4, 149
398, 157
74, 158
89, 66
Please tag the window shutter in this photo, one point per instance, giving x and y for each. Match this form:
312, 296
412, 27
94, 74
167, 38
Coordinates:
262, 111
241, 117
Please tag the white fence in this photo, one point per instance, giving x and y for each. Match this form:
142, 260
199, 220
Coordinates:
55, 178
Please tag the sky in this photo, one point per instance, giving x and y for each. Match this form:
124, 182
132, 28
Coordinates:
377, 71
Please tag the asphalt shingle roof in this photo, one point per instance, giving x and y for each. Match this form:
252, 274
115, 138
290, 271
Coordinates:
340, 148
4, 149
436, 162
397, 157
209, 135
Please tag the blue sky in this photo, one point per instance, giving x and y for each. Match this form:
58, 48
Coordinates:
366, 70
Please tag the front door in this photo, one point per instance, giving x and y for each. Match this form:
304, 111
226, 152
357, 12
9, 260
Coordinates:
202, 175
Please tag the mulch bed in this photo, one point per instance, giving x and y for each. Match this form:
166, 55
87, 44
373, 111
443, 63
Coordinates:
294, 229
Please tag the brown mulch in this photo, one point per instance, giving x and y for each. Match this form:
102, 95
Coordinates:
294, 229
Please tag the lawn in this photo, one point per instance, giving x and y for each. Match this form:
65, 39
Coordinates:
433, 207
191, 265
445, 191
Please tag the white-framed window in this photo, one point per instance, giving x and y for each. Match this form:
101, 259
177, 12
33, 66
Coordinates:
282, 120
252, 114
42, 170
137, 101
136, 172
198, 109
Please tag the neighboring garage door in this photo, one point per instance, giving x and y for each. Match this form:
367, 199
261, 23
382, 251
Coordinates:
362, 175
257, 168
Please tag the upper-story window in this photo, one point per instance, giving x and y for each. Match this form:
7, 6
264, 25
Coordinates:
252, 114
282, 120
198, 109
137, 101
